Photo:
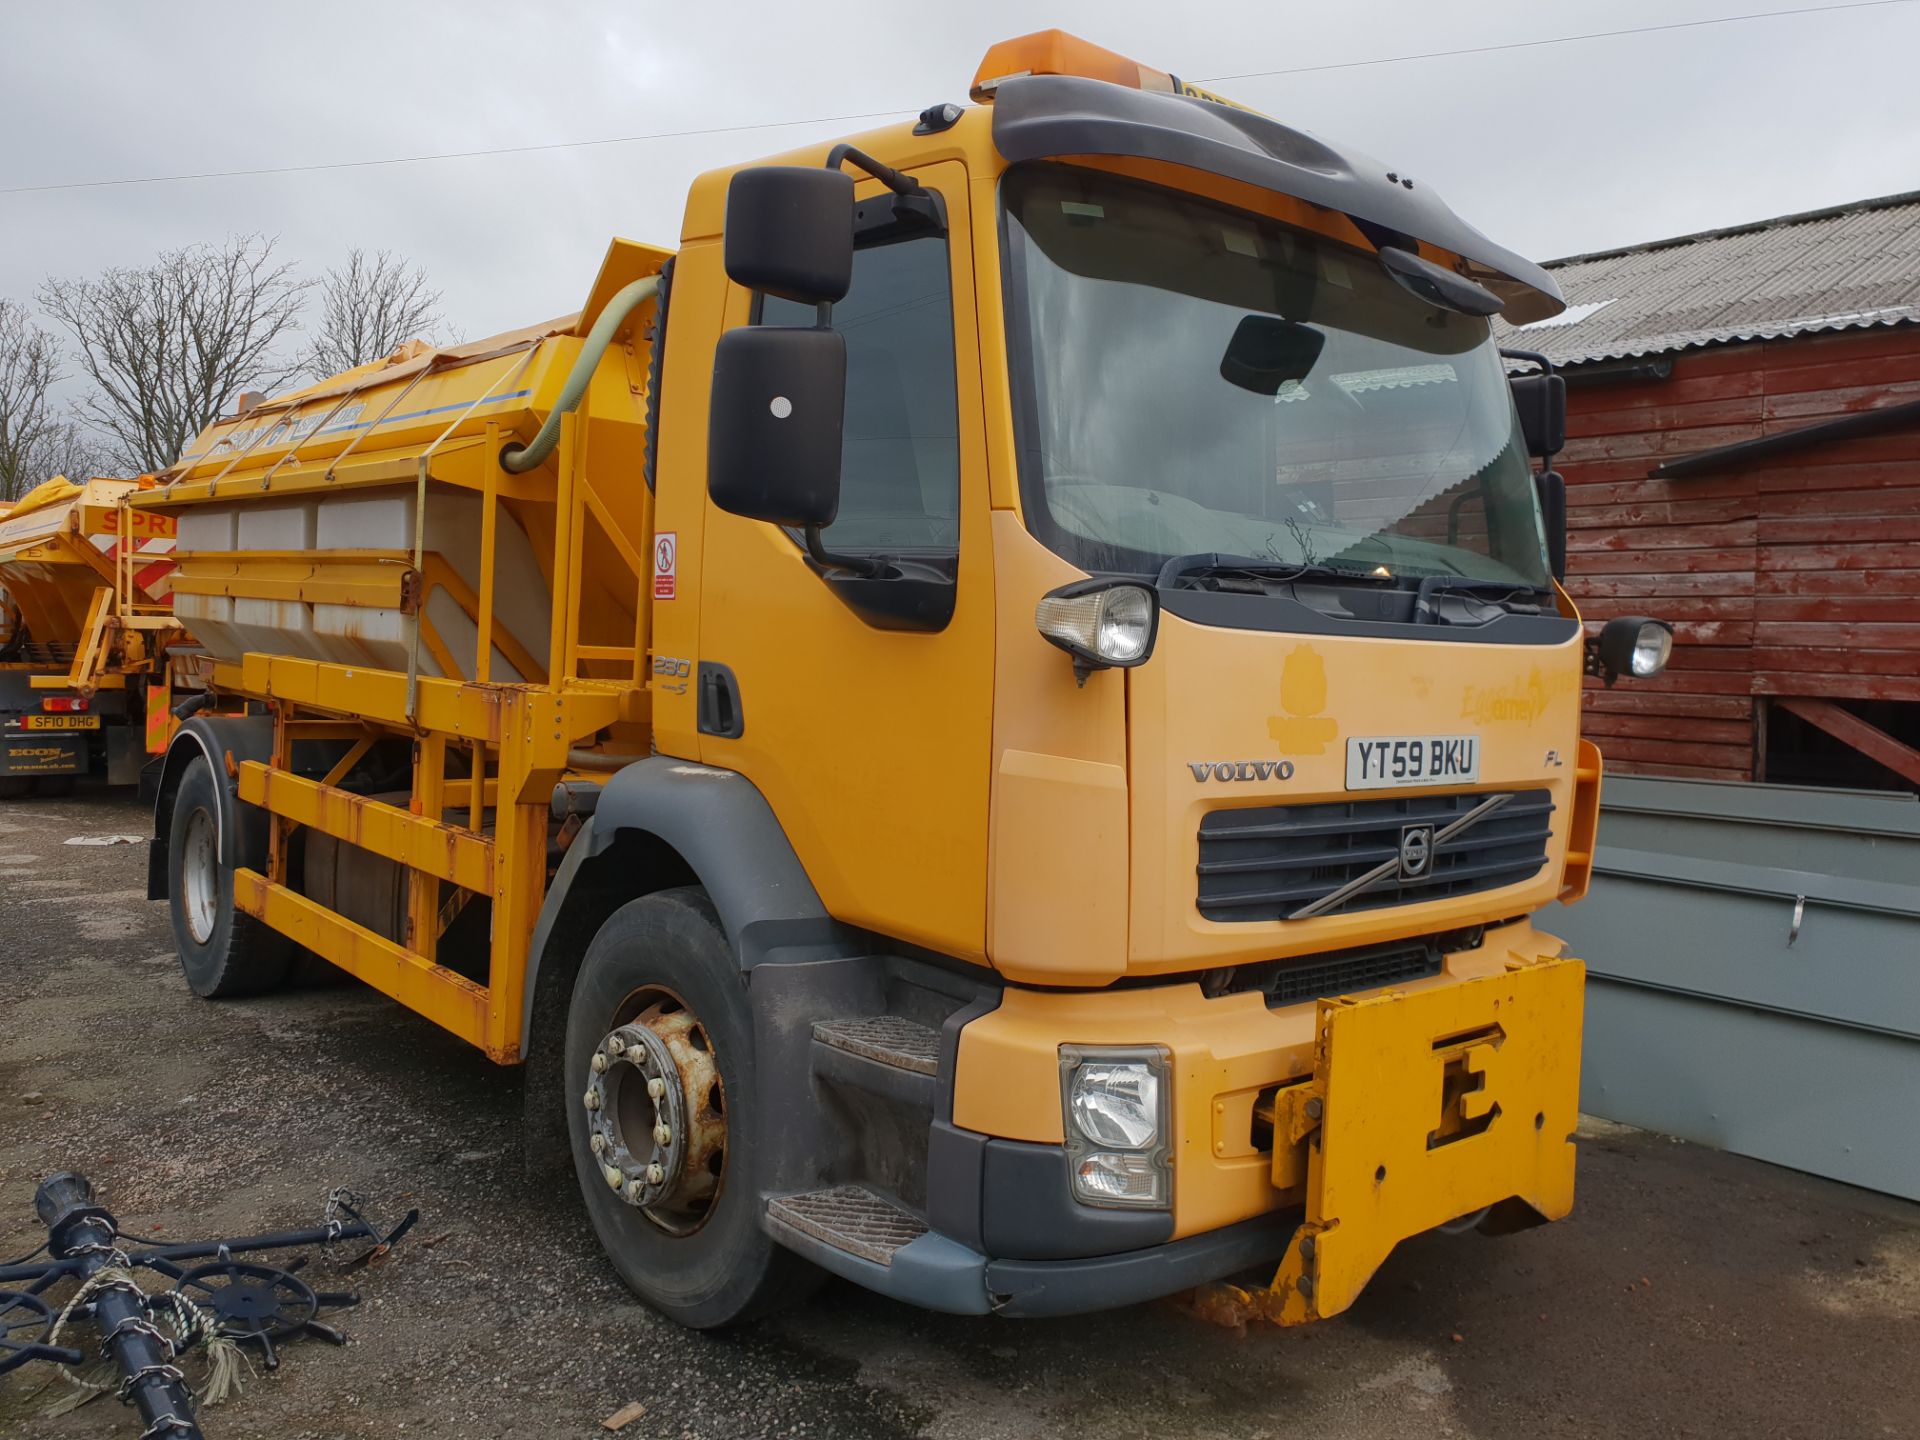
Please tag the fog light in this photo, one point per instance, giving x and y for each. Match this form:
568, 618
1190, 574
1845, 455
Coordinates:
1100, 623
1120, 1178
1118, 1132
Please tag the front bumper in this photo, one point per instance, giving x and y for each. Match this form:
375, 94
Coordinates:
1383, 1116
936, 1272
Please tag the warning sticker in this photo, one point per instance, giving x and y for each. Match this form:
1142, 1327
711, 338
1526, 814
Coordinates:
666, 550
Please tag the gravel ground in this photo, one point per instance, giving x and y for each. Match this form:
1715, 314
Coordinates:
1692, 1293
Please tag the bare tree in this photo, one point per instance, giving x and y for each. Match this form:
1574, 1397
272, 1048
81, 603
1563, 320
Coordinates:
168, 345
369, 308
72, 450
29, 368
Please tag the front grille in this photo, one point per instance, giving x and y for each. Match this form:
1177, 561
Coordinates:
1266, 863
1347, 972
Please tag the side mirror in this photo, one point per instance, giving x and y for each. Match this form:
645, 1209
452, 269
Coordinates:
789, 232
773, 430
1267, 351
1541, 401
1553, 511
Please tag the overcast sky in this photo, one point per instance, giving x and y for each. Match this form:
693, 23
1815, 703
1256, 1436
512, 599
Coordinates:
1551, 150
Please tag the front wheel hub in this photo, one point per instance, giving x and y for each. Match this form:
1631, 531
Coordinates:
656, 1115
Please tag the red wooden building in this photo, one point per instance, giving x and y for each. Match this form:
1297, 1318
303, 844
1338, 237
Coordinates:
1744, 460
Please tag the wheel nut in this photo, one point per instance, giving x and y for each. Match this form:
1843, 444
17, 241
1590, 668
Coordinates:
656, 1087
656, 1175
592, 1100
614, 1178
599, 1063
662, 1135
616, 1047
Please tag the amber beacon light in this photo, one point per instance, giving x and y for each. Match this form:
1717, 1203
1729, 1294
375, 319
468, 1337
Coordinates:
1054, 52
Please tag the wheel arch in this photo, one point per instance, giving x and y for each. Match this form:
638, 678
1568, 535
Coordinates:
658, 824
240, 832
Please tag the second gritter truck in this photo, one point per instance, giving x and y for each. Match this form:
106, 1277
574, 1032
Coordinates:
85, 635
993, 724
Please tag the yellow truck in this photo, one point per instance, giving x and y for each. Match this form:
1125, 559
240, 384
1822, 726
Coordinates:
992, 724
84, 630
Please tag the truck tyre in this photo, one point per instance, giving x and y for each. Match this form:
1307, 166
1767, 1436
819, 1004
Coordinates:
668, 1173
222, 952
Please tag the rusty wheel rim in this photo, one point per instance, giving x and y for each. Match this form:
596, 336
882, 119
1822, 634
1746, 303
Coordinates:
656, 1112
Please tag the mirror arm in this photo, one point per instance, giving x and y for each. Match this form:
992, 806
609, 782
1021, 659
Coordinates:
827, 560
885, 174
1532, 357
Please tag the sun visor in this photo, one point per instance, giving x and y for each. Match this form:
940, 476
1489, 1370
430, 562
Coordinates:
1040, 117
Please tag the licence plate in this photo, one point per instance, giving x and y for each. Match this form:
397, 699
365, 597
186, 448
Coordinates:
59, 722
1382, 762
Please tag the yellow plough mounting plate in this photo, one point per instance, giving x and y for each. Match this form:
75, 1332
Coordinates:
1432, 1105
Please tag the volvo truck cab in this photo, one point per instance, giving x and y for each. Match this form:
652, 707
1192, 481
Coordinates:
1056, 702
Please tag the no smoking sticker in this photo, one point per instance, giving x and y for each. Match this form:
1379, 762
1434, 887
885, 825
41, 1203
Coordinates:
666, 551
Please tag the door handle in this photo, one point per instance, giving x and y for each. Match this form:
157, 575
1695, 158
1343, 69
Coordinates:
720, 712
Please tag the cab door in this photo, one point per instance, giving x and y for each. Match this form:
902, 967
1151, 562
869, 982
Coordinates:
862, 706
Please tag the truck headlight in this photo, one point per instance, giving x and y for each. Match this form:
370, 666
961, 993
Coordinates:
1117, 1130
1100, 623
1115, 1102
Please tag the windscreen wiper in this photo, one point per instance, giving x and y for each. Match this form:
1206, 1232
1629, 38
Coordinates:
1426, 612
1215, 564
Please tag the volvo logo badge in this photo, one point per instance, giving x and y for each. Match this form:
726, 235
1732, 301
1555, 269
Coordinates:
1412, 862
1416, 850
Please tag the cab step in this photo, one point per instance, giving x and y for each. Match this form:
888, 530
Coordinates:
886, 1039
850, 1218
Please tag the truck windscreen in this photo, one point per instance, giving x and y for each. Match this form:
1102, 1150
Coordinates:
1192, 378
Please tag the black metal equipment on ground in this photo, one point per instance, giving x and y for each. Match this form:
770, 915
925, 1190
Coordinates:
238, 1301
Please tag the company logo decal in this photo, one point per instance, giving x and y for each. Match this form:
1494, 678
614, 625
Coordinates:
1522, 700
1304, 729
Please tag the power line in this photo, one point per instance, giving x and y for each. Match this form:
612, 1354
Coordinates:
453, 154
1559, 40
907, 109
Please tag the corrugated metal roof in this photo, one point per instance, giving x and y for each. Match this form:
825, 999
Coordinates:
1847, 268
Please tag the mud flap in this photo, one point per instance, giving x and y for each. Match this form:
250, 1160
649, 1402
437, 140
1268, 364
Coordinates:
126, 753
1426, 1107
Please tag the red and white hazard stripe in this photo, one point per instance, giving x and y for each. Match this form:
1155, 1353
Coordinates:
152, 570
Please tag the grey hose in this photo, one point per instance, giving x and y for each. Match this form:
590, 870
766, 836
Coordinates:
518, 459
595, 760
